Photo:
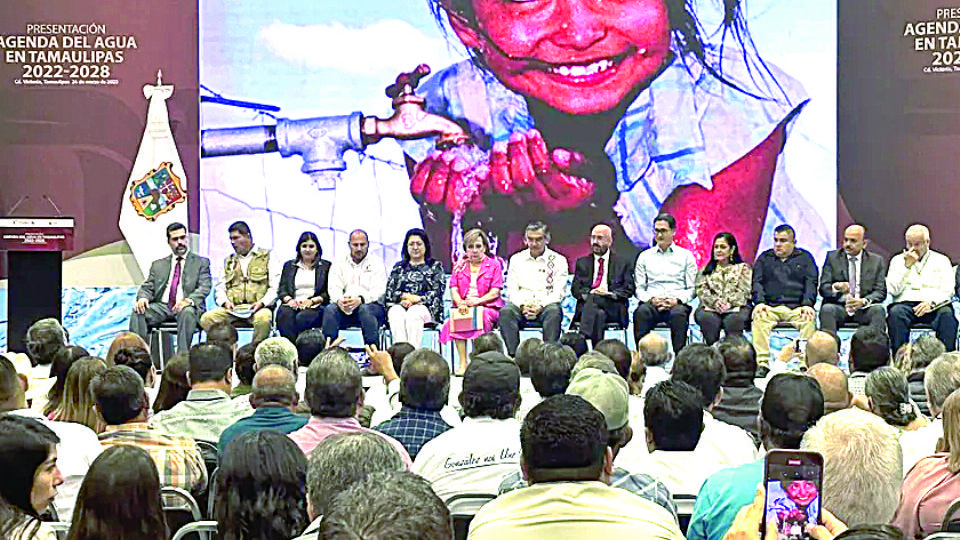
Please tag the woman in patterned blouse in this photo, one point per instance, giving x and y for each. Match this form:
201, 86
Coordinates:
414, 290
723, 287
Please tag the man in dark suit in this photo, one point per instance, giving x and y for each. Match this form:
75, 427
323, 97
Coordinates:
176, 288
853, 284
602, 284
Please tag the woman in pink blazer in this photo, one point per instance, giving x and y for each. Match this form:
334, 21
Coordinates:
476, 281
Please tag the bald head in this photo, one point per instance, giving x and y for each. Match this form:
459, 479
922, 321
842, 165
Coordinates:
274, 386
854, 240
601, 236
653, 350
833, 384
822, 347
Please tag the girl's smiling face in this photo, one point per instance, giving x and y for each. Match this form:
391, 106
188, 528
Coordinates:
578, 56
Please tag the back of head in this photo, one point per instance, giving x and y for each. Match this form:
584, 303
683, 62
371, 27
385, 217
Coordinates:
739, 359
563, 438
119, 395
617, 351
309, 344
223, 334
596, 360
491, 387
673, 415
341, 460
575, 341
862, 465
701, 367
551, 375
608, 392
889, 396
874, 531
822, 347
261, 488
43, 339
135, 358
529, 352
869, 349
245, 365
791, 405
491, 341
833, 384
174, 386
209, 362
424, 381
62, 361
653, 350
334, 384
11, 389
120, 498
77, 404
924, 350
24, 445
398, 353
941, 379
278, 351
951, 430
124, 340
274, 385
405, 508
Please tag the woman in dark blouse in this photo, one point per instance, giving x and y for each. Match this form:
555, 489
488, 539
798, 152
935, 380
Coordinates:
303, 288
414, 290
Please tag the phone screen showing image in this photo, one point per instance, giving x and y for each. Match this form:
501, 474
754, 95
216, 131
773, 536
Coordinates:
360, 357
793, 486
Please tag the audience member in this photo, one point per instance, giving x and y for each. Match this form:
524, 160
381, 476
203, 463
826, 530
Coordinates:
921, 282
139, 360
43, 340
791, 405
655, 354
125, 340
784, 290
414, 293
888, 396
869, 349
933, 483
530, 352
338, 462
174, 386
309, 344
225, 335
491, 341
474, 456
334, 392
595, 360
120, 399
398, 353
78, 445
550, 375
405, 508
664, 277
77, 404
274, 396
942, 378
575, 341
617, 351
833, 384
277, 351
739, 396
244, 366
356, 285
207, 409
535, 284
912, 359
723, 287
568, 464
62, 361
823, 347
248, 289
424, 389
302, 288
862, 466
602, 286
261, 488
28, 466
120, 498
853, 284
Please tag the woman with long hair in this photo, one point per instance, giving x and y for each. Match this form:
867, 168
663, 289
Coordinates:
120, 498
77, 404
28, 469
303, 288
888, 396
723, 287
174, 385
261, 493
62, 361
414, 294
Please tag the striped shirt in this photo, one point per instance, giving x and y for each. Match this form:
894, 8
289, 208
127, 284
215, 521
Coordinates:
177, 457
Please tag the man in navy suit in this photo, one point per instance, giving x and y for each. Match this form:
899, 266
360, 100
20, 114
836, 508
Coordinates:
176, 289
853, 284
602, 284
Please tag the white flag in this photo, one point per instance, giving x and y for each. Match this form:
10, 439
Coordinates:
156, 194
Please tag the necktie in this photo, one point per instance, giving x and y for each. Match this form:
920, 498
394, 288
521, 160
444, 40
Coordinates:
174, 285
599, 279
853, 278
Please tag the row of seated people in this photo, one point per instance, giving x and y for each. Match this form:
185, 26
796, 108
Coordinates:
488, 445
782, 286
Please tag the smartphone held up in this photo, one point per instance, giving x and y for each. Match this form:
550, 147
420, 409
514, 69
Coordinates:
793, 480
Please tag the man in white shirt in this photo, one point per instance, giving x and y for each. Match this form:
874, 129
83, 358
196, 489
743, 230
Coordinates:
356, 285
474, 456
536, 282
664, 277
249, 285
655, 354
941, 379
78, 445
921, 282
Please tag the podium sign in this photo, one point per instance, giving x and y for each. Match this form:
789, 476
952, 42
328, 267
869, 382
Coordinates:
34, 246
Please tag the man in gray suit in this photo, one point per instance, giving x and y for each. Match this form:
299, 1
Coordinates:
176, 288
853, 284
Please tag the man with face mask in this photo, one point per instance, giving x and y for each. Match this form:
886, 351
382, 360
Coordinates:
602, 284
176, 289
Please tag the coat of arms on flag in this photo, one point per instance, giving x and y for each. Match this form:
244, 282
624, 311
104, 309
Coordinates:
157, 192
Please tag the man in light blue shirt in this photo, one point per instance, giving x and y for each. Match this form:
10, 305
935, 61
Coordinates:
664, 278
792, 404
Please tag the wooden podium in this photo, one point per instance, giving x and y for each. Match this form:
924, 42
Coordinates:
34, 246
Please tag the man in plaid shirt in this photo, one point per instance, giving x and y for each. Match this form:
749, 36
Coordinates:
424, 386
122, 402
